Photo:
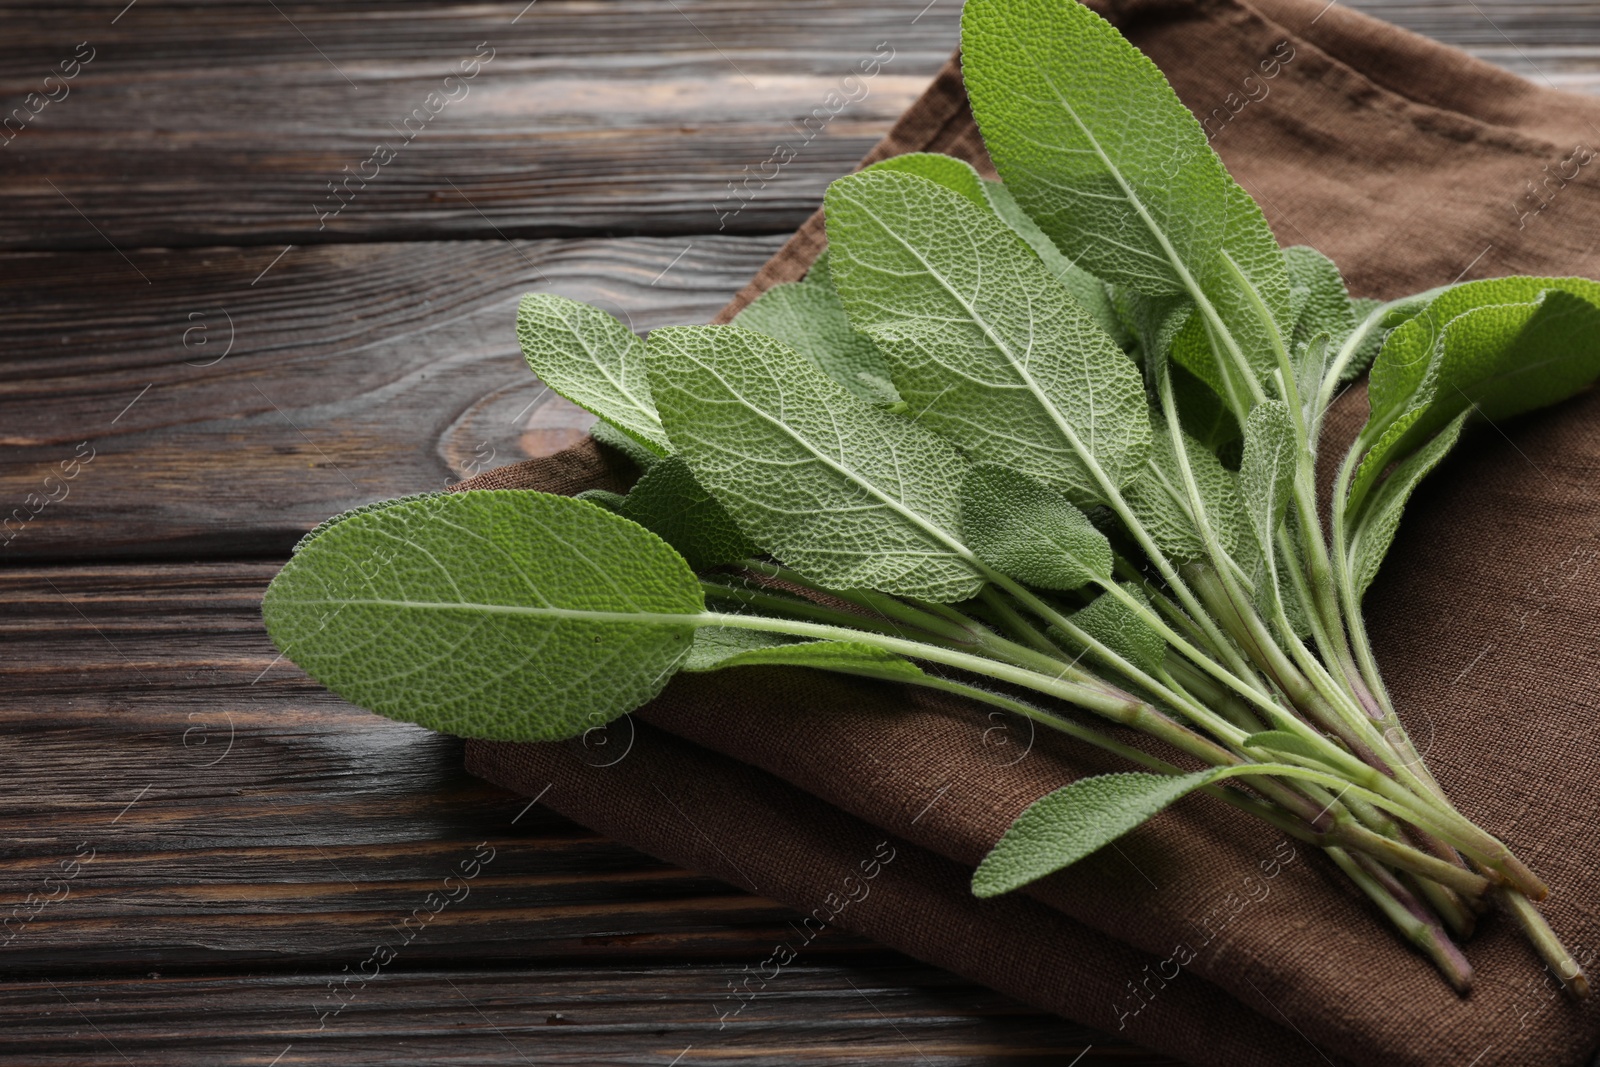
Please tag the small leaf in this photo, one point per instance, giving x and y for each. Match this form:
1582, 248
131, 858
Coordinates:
1373, 536
642, 455
954, 174
1160, 499
1115, 625
502, 614
1063, 827
591, 359
605, 498
715, 644
1266, 475
1327, 308
1030, 532
1287, 743
848, 495
808, 317
669, 503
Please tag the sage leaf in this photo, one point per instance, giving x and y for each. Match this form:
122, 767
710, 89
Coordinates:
954, 174
1369, 543
1327, 307
1160, 499
669, 503
986, 348
1063, 827
1498, 360
1289, 744
1093, 142
591, 359
1028, 531
1409, 350
378, 505
1090, 292
959, 176
809, 318
1266, 484
848, 495
1266, 475
642, 455
1114, 624
1248, 287
502, 614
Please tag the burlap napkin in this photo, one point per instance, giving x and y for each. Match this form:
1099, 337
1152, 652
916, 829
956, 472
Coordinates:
1201, 935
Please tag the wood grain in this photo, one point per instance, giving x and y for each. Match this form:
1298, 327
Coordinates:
227, 813
356, 372
883, 1013
241, 369
621, 117
225, 123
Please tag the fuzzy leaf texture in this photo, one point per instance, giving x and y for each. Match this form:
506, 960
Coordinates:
987, 348
846, 494
1028, 531
1063, 827
669, 503
591, 359
500, 614
1115, 625
1496, 360
1093, 142
958, 176
1380, 520
808, 317
1161, 501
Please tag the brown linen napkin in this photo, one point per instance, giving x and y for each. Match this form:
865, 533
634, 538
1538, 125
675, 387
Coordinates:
1411, 165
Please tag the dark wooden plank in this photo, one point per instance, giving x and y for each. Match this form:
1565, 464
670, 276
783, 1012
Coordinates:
180, 801
623, 117
356, 372
884, 1014
1552, 43
237, 813
225, 123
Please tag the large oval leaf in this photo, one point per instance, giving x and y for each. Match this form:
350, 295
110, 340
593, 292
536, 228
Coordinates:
987, 348
847, 494
500, 614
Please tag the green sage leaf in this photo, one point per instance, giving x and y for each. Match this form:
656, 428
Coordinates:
1093, 142
501, 614
1369, 543
1117, 626
809, 318
1028, 531
848, 495
591, 359
669, 503
1063, 827
986, 348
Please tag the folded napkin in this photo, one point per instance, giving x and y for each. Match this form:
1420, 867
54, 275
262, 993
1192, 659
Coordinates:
1203, 934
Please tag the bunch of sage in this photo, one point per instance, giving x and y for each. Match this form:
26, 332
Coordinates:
1047, 443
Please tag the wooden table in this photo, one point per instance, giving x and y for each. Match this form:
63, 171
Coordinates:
222, 349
